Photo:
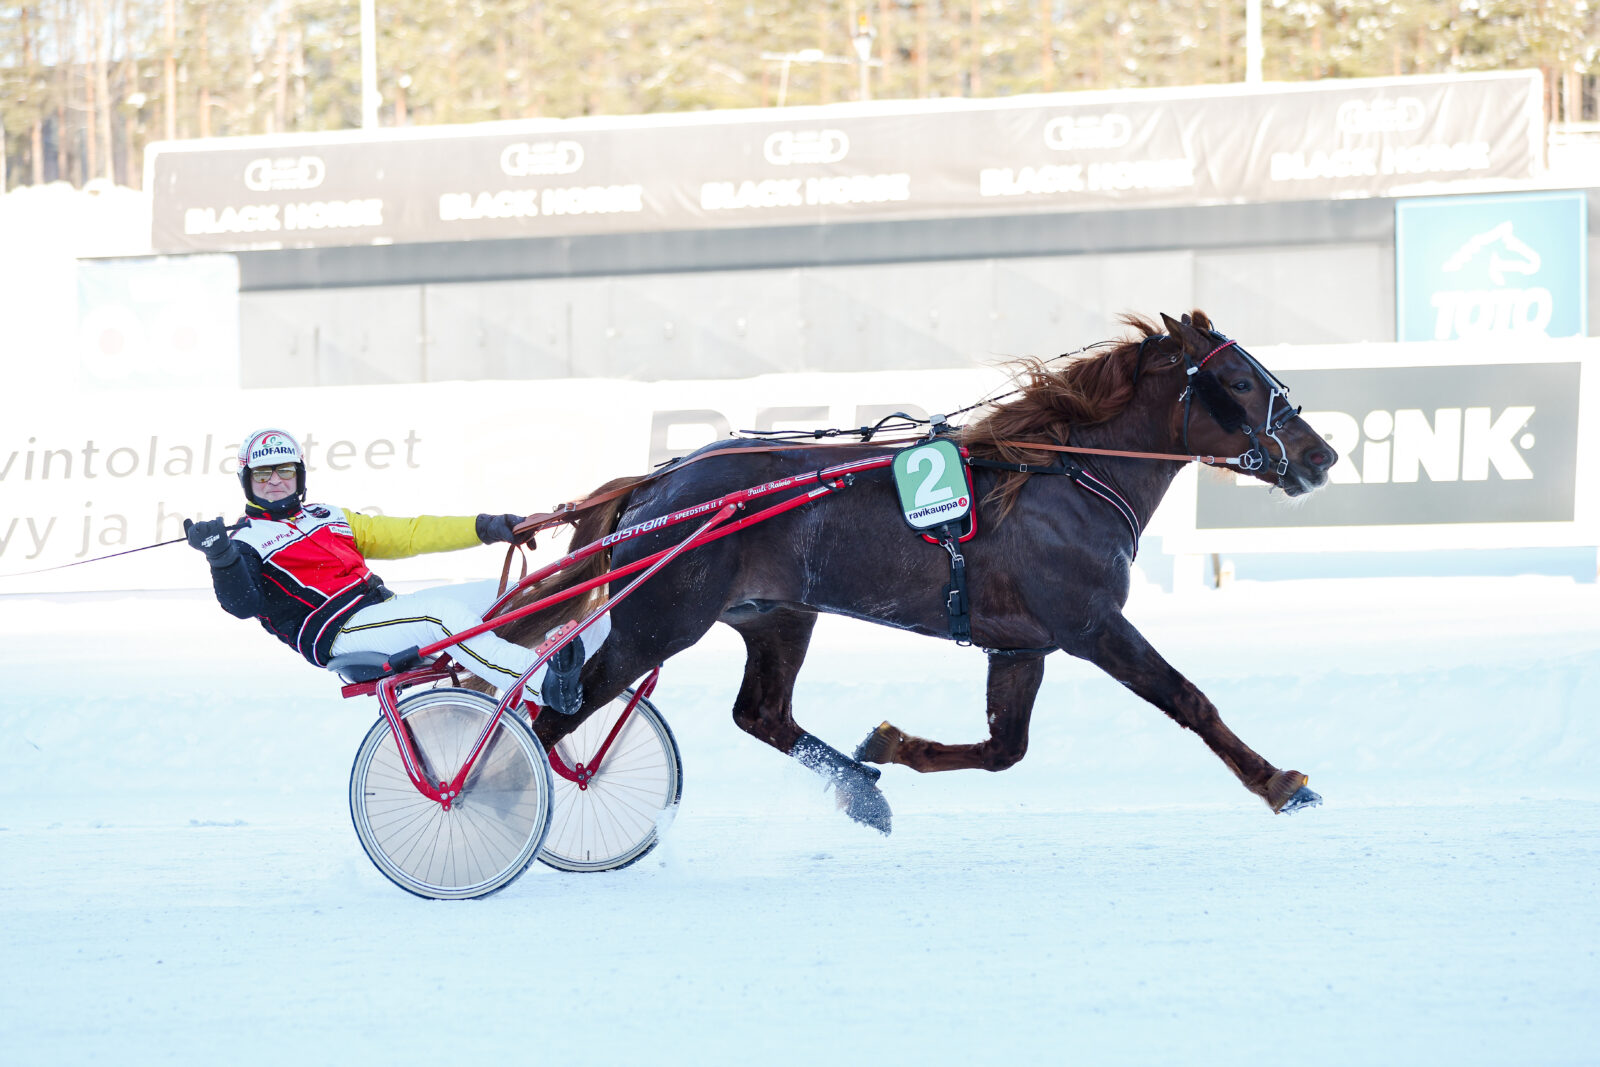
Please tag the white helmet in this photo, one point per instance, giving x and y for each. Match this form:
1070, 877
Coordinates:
269, 448
264, 448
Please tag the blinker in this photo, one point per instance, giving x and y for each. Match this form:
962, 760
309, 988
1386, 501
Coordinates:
1228, 412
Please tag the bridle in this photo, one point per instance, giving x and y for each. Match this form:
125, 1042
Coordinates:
1209, 387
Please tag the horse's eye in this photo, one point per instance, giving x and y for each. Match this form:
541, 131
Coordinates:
1242, 385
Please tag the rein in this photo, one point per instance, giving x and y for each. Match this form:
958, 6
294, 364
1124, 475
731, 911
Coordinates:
112, 555
1180, 457
566, 513
1253, 459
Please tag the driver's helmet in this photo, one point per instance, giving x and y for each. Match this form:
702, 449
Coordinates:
271, 448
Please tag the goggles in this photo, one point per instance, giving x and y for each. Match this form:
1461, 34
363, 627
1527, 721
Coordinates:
285, 471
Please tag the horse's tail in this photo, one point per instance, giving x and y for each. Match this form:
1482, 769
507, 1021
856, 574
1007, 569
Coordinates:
592, 524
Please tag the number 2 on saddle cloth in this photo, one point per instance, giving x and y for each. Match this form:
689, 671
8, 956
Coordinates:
935, 487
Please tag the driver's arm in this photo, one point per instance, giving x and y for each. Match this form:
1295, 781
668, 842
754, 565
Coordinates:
393, 537
238, 584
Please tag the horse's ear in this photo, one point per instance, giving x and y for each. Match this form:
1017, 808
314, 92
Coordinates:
1186, 336
1187, 321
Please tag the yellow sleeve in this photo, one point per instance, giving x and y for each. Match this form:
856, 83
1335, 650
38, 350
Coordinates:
392, 537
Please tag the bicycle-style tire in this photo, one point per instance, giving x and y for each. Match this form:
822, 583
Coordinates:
619, 814
492, 831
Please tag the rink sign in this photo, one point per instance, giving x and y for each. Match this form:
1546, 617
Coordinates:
1482, 450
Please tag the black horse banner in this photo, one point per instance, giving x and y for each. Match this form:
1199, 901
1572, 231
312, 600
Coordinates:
841, 163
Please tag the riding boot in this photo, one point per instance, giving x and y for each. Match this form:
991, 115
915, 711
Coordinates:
561, 688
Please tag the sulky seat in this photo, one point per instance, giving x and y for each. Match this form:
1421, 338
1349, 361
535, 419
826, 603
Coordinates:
356, 667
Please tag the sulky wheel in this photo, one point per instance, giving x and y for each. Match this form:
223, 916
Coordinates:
490, 833
611, 819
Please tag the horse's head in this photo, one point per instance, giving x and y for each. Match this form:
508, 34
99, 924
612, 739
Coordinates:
1243, 403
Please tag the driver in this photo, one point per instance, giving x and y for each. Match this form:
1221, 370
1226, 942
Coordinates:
301, 569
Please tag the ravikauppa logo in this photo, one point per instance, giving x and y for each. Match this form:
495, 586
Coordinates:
933, 514
1474, 267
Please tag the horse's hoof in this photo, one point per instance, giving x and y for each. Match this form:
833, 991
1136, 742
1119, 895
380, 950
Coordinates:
875, 749
1303, 798
1287, 792
867, 805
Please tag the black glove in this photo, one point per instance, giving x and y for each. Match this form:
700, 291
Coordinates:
497, 528
211, 537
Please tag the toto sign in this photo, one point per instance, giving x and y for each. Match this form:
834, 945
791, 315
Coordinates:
1484, 266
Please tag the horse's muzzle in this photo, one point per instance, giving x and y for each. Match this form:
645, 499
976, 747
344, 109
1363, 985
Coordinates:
1310, 472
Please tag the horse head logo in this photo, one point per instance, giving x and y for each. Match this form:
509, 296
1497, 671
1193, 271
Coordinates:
1507, 254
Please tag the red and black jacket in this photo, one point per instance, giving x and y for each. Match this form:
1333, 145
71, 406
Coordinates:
305, 575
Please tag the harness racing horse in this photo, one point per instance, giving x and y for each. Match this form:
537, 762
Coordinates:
1048, 570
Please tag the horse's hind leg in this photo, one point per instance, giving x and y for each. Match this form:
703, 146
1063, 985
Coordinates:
1122, 652
775, 645
1013, 685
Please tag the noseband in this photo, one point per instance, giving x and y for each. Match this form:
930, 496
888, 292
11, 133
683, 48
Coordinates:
1229, 413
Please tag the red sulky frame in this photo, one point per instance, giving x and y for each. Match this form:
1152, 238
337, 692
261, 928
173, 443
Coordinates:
825, 481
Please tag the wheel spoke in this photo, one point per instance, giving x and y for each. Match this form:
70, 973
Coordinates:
490, 832
612, 821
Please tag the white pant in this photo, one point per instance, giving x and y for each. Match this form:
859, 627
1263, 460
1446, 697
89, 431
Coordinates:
415, 619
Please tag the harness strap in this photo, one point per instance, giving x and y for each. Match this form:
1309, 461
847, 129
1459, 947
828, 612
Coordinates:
568, 512
957, 608
1079, 477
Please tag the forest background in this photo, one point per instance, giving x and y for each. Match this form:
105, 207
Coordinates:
86, 84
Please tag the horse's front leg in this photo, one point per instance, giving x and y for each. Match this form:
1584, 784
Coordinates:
775, 647
1122, 652
1013, 684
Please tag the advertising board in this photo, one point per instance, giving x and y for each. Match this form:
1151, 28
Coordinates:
1456, 445
841, 163
1484, 266
114, 471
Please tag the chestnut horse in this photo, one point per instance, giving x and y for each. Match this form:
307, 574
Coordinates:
1049, 569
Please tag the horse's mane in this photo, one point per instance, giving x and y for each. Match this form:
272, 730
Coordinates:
1051, 400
